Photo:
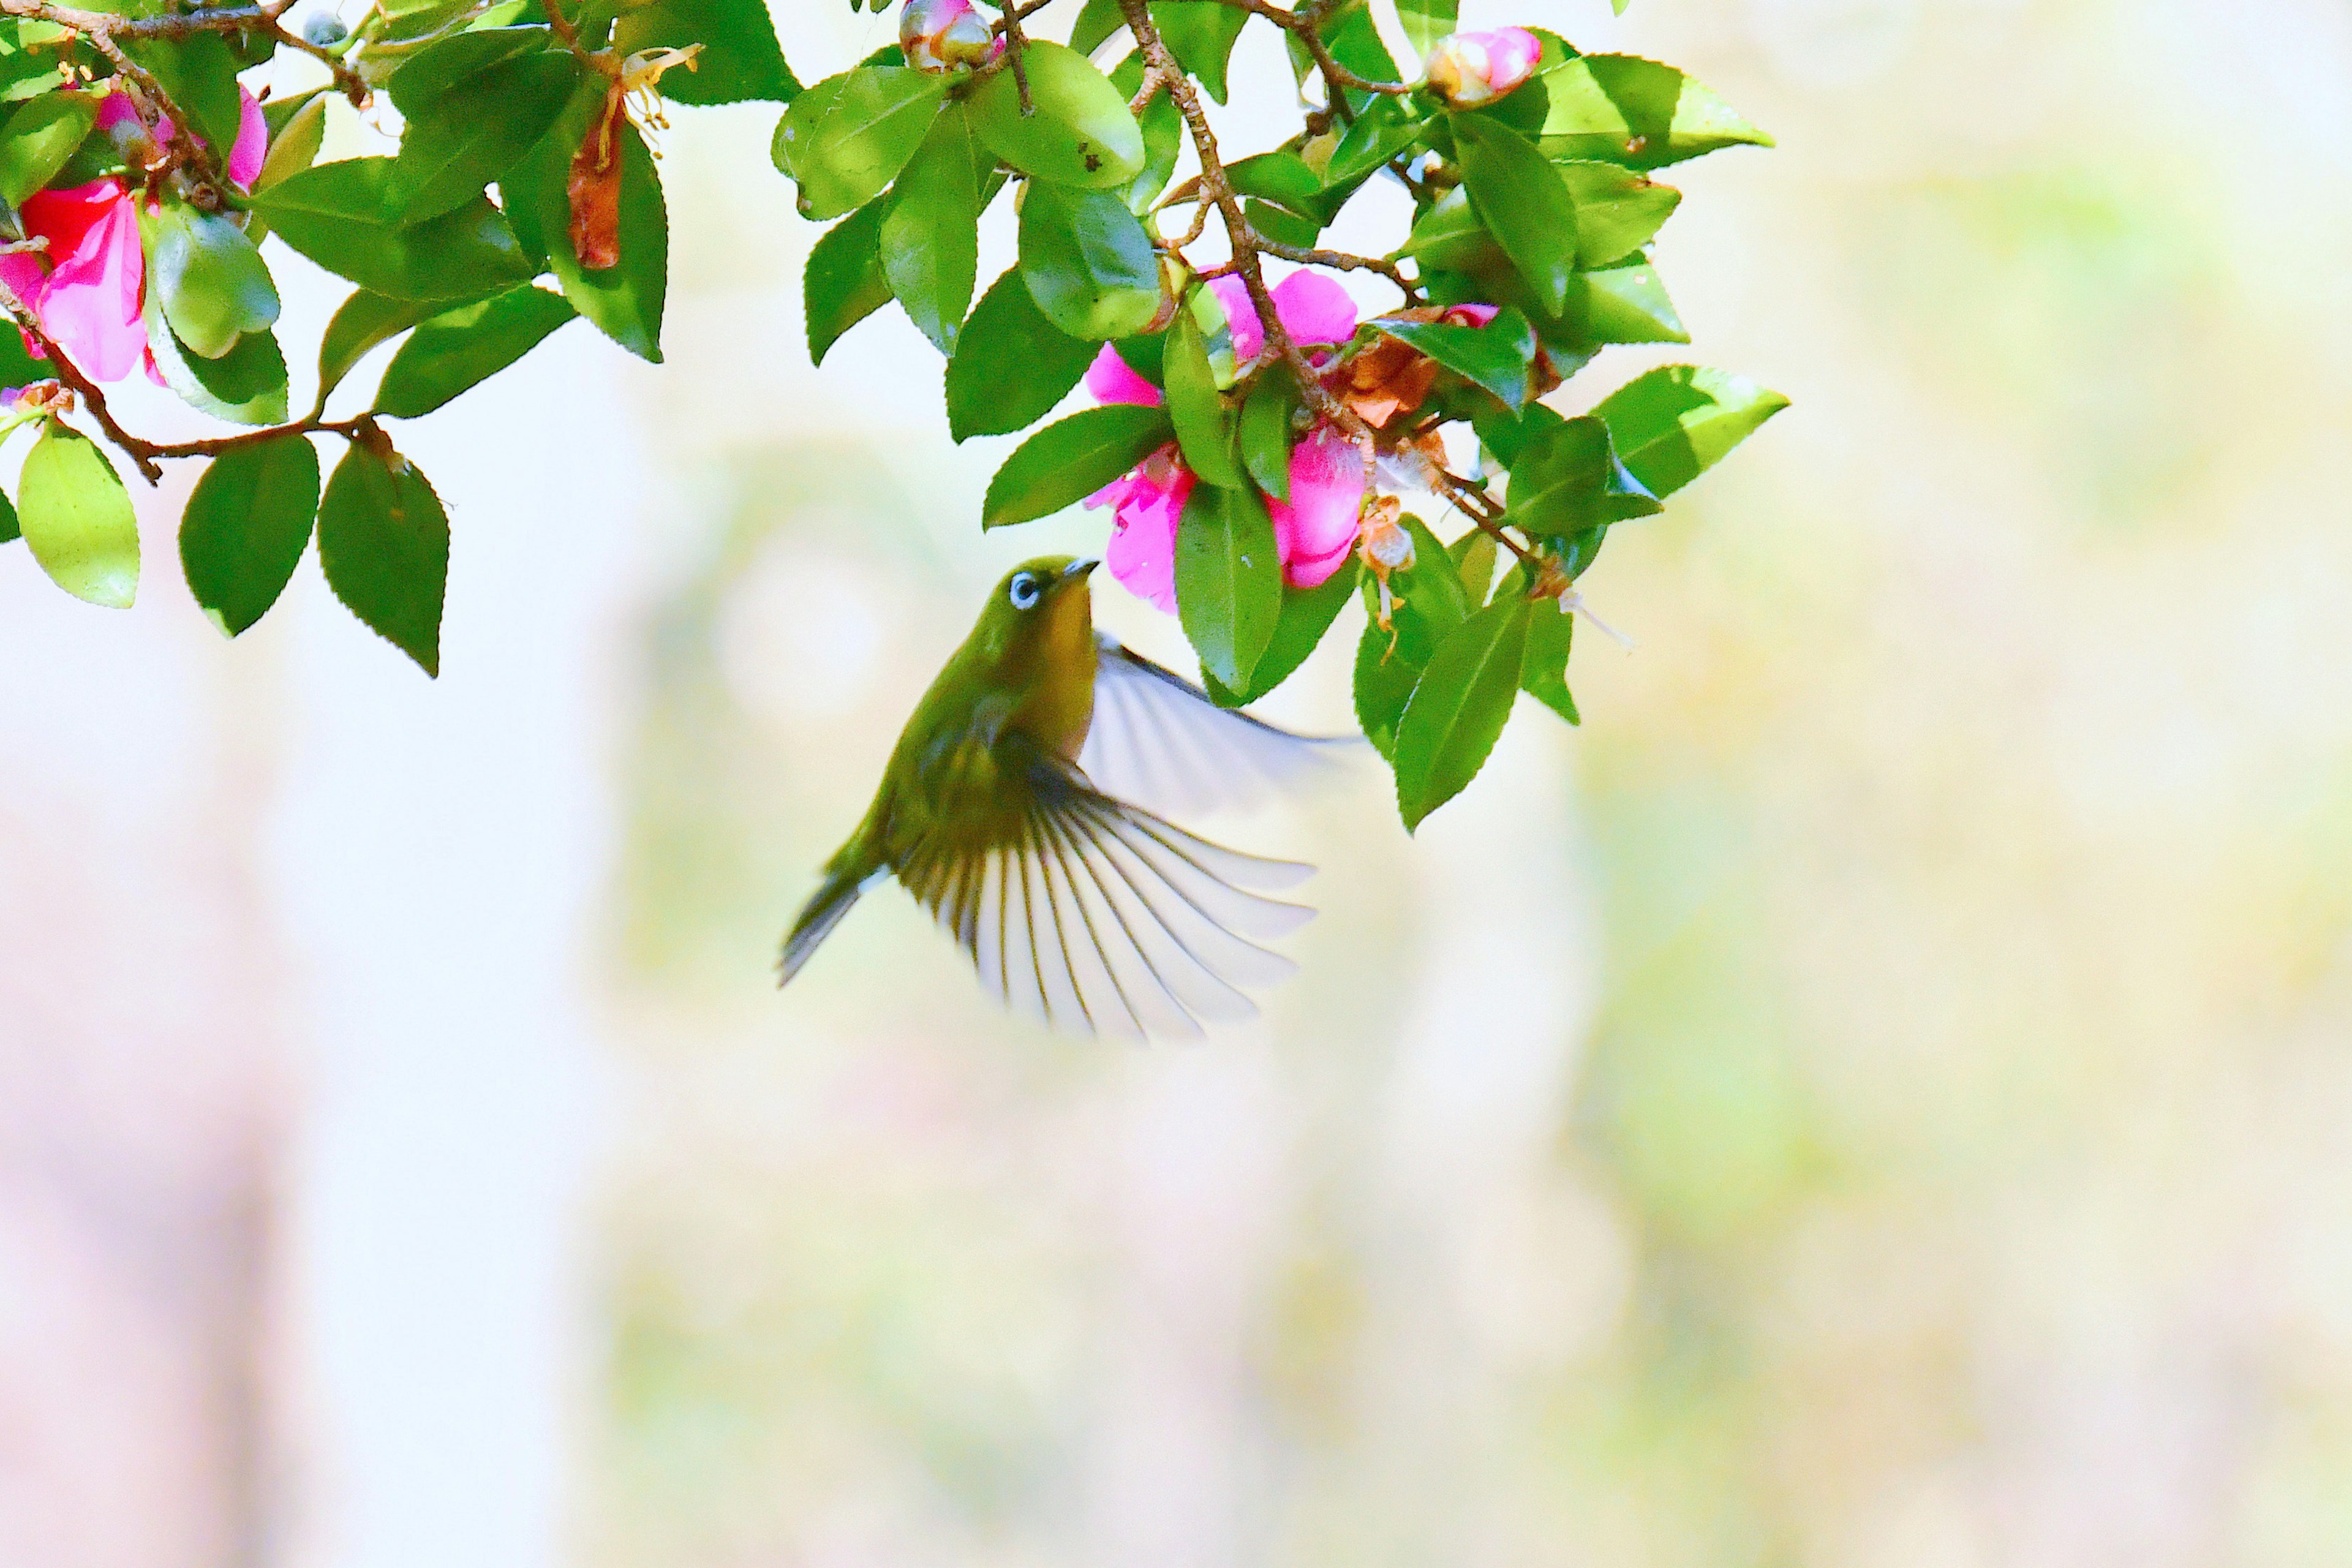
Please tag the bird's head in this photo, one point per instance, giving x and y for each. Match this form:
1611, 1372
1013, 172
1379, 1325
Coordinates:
1041, 614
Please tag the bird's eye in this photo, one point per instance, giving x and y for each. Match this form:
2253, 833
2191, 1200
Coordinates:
1023, 591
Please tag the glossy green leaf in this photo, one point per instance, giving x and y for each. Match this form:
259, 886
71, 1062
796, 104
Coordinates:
1267, 434
1011, 365
626, 300
1200, 33
1568, 479
1626, 110
1071, 459
462, 140
1459, 708
77, 519
1543, 667
246, 385
1523, 203
211, 282
1426, 21
1385, 680
1628, 304
460, 349
1618, 211
341, 216
1081, 134
1306, 614
1282, 179
1228, 581
245, 526
1162, 124
36, 140
1426, 601
741, 61
1386, 128
426, 75
360, 324
931, 228
796, 130
1674, 422
1088, 262
384, 542
844, 282
9, 531
1097, 20
199, 75
1473, 555
295, 148
1353, 39
1204, 425
1498, 356
846, 146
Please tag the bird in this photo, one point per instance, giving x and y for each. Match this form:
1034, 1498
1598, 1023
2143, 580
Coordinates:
1023, 806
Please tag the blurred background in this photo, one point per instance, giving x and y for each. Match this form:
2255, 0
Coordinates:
1874, 1096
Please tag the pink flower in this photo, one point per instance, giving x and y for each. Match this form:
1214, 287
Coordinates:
88, 291
1471, 68
941, 35
1315, 529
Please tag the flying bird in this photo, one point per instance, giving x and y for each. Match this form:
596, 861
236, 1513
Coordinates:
1022, 806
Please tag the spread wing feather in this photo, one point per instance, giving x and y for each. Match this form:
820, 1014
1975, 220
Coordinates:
1160, 739
1098, 917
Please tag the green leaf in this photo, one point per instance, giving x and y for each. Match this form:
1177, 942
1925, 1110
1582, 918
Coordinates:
1543, 669
1097, 22
1200, 33
460, 349
1426, 598
1267, 434
199, 75
245, 526
1011, 364
931, 228
1385, 129
1618, 211
1674, 422
295, 148
38, 138
625, 301
1081, 134
341, 216
9, 531
1383, 685
1283, 179
461, 141
1088, 261
246, 385
213, 284
846, 145
1353, 39
359, 324
1498, 356
1204, 425
1071, 459
1426, 21
1460, 707
1163, 136
1228, 581
740, 61
1306, 614
1624, 109
426, 75
1523, 203
384, 542
844, 282
1473, 555
1567, 478
77, 519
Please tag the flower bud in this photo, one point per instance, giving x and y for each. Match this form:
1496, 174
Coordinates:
325, 29
1471, 68
941, 35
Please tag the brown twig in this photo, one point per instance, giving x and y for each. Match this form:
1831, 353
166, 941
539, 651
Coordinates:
1016, 44
141, 453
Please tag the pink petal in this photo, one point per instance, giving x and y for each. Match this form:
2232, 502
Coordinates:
1471, 315
65, 217
1315, 528
1241, 317
116, 108
1112, 380
1511, 56
252, 140
1147, 505
90, 305
1314, 309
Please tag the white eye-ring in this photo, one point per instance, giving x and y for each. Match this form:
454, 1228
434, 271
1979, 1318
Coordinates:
1023, 591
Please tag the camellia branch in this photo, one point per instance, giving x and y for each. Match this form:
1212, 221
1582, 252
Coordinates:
103, 28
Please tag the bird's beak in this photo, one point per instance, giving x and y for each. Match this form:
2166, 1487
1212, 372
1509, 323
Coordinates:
1080, 568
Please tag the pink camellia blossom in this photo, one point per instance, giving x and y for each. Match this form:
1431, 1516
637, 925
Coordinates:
88, 288
939, 35
1469, 68
1315, 529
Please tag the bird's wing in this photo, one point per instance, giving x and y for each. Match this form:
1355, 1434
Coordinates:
1094, 916
1160, 740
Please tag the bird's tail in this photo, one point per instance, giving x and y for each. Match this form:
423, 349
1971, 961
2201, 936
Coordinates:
819, 915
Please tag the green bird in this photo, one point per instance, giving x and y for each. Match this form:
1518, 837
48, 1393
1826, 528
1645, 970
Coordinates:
1013, 809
